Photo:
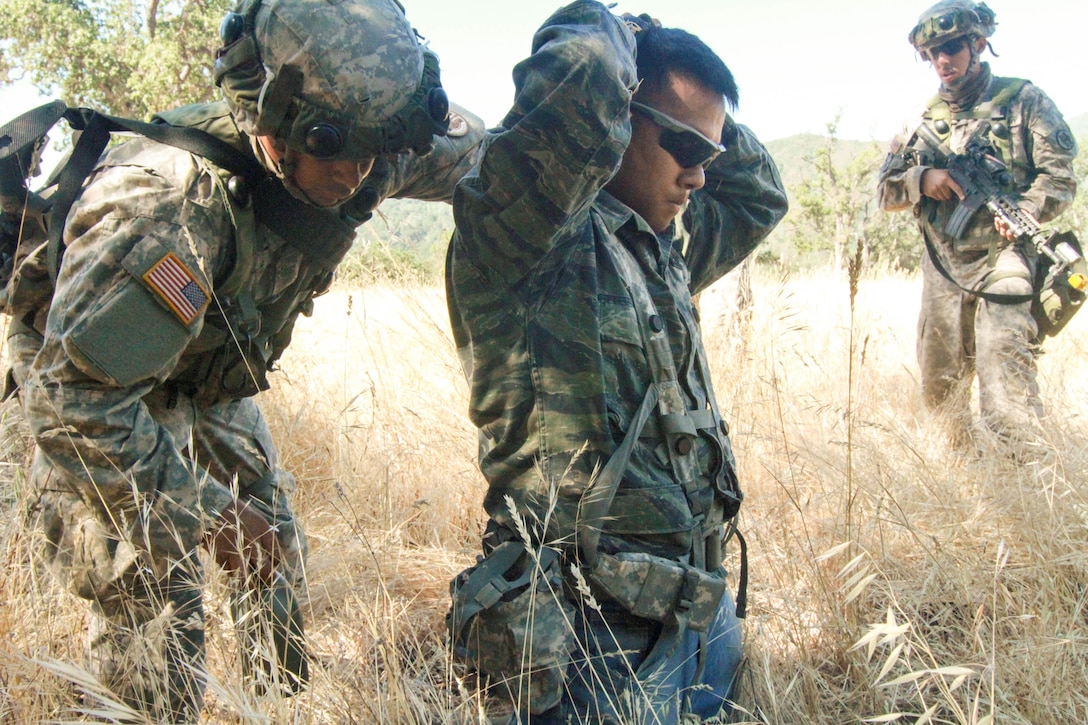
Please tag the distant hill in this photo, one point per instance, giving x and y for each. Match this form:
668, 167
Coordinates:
1079, 125
424, 227
791, 154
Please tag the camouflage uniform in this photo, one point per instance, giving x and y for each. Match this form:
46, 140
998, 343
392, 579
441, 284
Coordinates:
959, 334
137, 385
568, 310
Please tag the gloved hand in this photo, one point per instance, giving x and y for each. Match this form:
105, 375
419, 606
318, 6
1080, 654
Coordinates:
244, 542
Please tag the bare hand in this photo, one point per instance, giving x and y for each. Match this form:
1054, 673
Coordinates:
1004, 229
938, 184
243, 542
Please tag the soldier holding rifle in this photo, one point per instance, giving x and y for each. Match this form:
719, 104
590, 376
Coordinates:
979, 271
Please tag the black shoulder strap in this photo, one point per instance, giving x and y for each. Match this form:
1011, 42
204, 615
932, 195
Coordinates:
988, 296
95, 133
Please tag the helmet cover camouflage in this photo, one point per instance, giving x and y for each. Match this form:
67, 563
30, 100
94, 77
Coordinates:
950, 19
335, 79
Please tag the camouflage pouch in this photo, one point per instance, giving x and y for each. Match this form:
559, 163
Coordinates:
1057, 298
511, 622
655, 588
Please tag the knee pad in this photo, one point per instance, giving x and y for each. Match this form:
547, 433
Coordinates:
1009, 286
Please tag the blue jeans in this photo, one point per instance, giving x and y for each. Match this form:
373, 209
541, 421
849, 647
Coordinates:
629, 670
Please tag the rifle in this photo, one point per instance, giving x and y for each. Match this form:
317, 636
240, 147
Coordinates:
1062, 279
984, 178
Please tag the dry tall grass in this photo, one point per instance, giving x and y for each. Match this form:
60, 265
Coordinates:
892, 576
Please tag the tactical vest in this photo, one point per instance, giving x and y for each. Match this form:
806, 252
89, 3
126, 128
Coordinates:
995, 108
252, 338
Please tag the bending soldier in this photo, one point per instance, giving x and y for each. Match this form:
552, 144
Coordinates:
974, 317
177, 291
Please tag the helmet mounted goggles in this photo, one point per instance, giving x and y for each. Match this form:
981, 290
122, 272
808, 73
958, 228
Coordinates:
277, 107
956, 22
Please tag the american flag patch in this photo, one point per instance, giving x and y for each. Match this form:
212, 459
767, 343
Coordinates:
175, 284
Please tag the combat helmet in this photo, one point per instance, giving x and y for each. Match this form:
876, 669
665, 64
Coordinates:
334, 79
951, 19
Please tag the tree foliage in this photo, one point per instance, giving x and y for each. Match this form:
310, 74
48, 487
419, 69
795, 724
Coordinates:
129, 58
135, 57
407, 238
1077, 215
834, 210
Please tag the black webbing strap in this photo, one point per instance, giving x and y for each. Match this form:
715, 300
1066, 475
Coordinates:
988, 296
742, 583
193, 140
94, 137
95, 133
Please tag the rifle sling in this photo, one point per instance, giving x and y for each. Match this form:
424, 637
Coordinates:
988, 296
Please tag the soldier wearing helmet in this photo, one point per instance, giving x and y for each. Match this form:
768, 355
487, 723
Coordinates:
974, 320
180, 281
949, 20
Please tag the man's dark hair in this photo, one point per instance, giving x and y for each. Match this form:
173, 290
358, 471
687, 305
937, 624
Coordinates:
665, 51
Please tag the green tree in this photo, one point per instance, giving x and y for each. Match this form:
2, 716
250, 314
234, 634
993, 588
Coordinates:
405, 236
831, 201
834, 209
130, 58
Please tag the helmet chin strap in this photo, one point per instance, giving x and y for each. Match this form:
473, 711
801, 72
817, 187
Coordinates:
266, 156
976, 56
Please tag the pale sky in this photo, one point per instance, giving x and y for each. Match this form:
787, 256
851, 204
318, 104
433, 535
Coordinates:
798, 62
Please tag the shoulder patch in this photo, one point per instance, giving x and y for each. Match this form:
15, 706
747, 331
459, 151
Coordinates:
458, 125
171, 280
1064, 139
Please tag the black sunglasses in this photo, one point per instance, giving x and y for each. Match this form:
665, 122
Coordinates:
684, 143
949, 48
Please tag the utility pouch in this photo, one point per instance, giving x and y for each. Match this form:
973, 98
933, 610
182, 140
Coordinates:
1056, 298
511, 622
655, 588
